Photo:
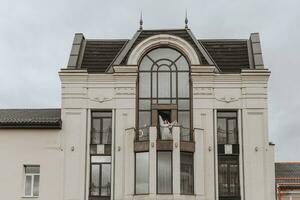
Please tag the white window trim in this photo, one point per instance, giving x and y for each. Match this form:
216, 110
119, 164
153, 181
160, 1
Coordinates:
32, 183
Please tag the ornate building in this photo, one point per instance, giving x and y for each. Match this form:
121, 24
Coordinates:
163, 115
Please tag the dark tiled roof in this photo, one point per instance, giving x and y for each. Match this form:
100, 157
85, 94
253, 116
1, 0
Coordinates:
30, 118
98, 54
230, 55
287, 170
287, 173
182, 33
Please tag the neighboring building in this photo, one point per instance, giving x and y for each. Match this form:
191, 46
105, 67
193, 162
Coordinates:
115, 136
287, 180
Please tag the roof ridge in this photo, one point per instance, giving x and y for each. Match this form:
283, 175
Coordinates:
283, 162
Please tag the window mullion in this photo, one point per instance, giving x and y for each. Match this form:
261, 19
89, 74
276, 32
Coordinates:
32, 180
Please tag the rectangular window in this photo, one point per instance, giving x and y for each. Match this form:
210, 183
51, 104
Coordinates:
164, 172
229, 185
186, 173
100, 178
227, 129
142, 173
101, 128
32, 180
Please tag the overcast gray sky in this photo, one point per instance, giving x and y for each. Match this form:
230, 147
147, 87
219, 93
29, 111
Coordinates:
36, 37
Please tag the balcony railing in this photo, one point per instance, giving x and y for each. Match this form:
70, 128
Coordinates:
163, 133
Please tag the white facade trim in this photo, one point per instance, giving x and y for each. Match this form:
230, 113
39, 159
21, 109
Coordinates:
163, 39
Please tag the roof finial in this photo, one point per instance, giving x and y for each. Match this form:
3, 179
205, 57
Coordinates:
141, 21
186, 20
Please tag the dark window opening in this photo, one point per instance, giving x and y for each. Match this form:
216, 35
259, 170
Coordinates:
229, 181
186, 173
101, 128
164, 172
100, 177
227, 129
142, 173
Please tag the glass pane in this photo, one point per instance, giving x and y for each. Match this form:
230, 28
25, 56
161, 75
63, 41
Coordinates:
221, 130
36, 184
186, 173
164, 62
106, 134
223, 182
164, 172
232, 131
101, 114
28, 180
144, 84
144, 124
183, 104
164, 85
164, 68
173, 68
94, 187
146, 64
174, 85
101, 159
164, 101
142, 173
234, 180
144, 105
227, 114
182, 64
96, 128
184, 121
32, 169
154, 84
164, 53
105, 180
183, 84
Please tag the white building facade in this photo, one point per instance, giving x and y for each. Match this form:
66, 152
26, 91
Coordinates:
160, 116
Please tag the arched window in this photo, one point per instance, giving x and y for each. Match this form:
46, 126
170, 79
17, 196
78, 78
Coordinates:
164, 90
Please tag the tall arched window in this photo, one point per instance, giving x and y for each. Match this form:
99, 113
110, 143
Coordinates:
164, 90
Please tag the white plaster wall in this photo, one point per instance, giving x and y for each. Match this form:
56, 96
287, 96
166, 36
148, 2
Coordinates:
19, 147
82, 92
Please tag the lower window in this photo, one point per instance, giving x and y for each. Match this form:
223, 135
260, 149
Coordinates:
229, 181
100, 182
186, 173
142, 173
32, 180
164, 172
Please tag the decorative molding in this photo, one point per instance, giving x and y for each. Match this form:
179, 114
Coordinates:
163, 39
228, 99
125, 91
101, 99
203, 91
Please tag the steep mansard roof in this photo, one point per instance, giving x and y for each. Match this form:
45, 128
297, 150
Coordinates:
30, 118
230, 56
287, 172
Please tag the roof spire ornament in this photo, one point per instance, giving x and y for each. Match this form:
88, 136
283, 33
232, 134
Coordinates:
141, 21
186, 21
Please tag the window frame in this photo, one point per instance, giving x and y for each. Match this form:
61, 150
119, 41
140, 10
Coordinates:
227, 119
32, 175
101, 126
193, 168
172, 98
171, 152
136, 176
100, 175
229, 160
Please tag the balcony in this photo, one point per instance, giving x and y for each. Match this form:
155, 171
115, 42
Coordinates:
165, 137
164, 132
